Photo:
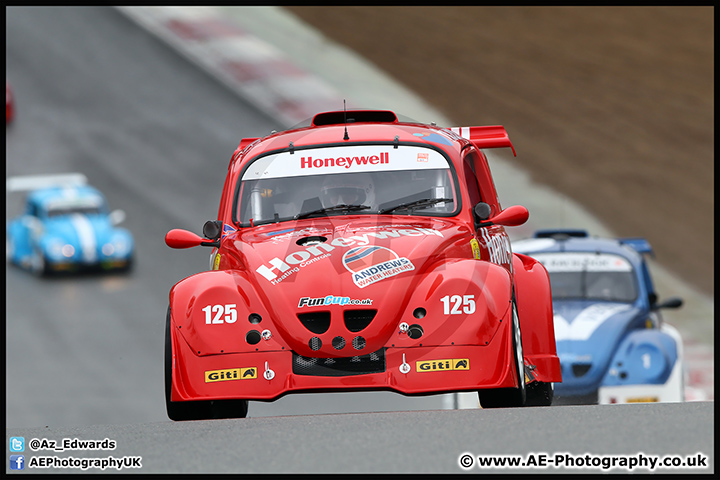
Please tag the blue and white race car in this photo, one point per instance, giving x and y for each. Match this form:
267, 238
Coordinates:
67, 226
613, 344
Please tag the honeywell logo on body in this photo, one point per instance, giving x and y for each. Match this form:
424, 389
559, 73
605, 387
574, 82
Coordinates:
347, 162
279, 269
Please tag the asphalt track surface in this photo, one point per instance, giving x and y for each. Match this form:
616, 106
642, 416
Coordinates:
98, 95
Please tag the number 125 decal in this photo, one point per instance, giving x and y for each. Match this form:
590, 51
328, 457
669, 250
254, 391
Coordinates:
216, 314
458, 305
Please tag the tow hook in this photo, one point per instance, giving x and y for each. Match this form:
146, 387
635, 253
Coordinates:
269, 374
404, 368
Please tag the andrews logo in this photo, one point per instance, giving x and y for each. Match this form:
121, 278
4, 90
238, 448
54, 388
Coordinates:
370, 264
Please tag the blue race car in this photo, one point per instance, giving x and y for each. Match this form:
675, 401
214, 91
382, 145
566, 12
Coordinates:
611, 339
66, 227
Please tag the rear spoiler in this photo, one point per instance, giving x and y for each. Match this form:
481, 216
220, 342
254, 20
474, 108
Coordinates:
639, 244
485, 137
561, 233
243, 143
34, 182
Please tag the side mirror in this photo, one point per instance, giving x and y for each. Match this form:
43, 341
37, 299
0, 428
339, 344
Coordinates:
481, 212
672, 302
178, 238
116, 217
212, 229
510, 217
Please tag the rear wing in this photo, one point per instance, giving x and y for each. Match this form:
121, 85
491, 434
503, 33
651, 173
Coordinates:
561, 233
35, 182
485, 137
243, 144
639, 244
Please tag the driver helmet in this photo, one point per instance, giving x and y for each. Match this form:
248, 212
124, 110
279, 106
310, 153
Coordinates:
348, 189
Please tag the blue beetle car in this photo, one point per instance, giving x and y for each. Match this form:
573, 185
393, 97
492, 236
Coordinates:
66, 227
613, 344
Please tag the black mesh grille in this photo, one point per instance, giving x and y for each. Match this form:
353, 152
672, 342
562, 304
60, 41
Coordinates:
358, 343
316, 322
338, 343
356, 320
339, 367
315, 343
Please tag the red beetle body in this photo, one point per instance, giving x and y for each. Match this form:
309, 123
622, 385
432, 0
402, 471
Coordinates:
360, 252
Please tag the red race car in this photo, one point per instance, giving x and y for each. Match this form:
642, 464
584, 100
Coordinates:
359, 252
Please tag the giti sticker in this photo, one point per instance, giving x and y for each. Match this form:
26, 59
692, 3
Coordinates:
245, 373
443, 365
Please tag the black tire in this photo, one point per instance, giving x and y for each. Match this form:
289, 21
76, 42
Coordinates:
180, 411
229, 408
540, 394
509, 397
198, 409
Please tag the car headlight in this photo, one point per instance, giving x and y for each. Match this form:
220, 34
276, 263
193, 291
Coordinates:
60, 251
108, 249
119, 247
68, 251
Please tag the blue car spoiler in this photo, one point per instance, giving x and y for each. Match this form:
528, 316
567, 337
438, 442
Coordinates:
561, 233
639, 244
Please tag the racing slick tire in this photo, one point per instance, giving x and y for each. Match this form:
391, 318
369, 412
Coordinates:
539, 394
179, 411
509, 397
229, 408
197, 409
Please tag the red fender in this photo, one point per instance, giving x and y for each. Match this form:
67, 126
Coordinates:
211, 312
534, 302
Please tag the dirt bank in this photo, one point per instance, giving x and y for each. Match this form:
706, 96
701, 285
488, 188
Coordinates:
612, 106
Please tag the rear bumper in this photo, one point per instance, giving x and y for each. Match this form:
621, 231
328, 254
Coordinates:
409, 371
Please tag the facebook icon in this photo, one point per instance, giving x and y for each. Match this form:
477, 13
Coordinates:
17, 462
